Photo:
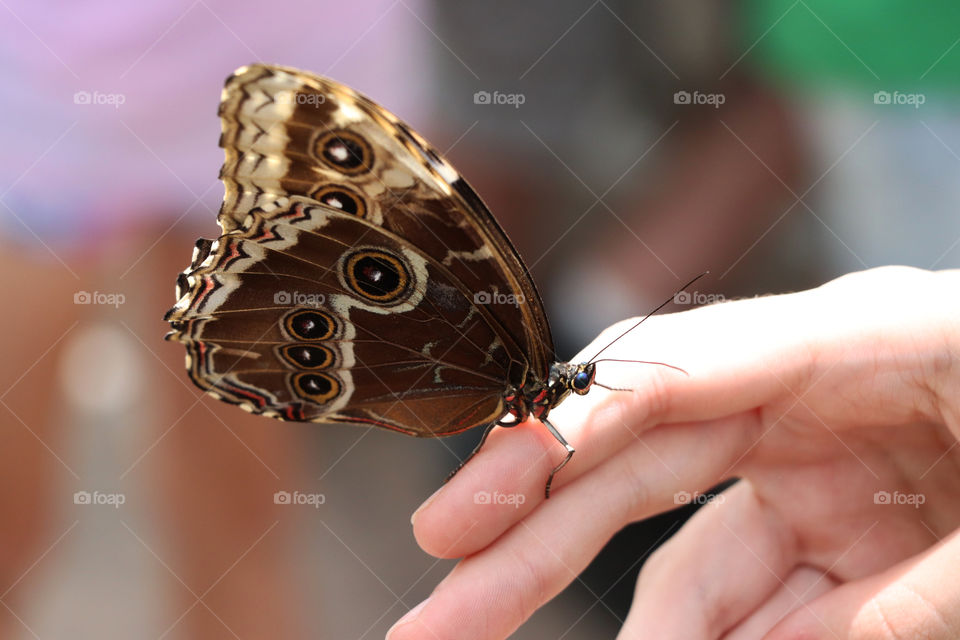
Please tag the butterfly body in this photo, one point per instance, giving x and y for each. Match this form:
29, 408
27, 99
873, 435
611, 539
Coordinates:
358, 279
539, 396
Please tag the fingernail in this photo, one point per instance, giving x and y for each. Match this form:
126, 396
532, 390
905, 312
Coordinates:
426, 503
408, 618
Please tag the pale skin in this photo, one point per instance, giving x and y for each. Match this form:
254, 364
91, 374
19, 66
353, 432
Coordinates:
817, 400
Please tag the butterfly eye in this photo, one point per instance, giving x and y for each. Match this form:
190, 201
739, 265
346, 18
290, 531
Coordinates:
376, 275
344, 151
307, 356
310, 325
316, 387
583, 379
341, 198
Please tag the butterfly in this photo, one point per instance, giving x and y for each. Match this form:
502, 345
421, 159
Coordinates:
358, 278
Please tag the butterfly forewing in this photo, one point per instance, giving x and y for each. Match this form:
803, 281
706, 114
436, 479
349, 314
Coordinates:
282, 318
286, 132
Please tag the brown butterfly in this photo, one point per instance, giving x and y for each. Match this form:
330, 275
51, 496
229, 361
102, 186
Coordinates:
359, 279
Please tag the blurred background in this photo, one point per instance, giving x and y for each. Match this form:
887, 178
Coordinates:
625, 147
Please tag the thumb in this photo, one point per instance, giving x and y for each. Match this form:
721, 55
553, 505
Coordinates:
917, 598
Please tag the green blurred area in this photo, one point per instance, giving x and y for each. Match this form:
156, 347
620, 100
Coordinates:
908, 46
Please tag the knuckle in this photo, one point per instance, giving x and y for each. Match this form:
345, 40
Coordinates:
902, 613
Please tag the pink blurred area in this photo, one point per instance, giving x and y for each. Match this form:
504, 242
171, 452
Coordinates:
149, 148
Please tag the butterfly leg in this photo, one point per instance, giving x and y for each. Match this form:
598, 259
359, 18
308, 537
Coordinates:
476, 449
570, 452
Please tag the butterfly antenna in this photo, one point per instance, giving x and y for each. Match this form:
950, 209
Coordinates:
662, 364
603, 386
642, 320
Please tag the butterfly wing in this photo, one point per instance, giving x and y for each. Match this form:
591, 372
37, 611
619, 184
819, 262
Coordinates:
288, 132
344, 286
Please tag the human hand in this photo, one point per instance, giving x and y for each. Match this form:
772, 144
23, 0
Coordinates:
818, 400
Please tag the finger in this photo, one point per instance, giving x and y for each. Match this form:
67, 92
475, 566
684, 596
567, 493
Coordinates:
800, 587
647, 476
876, 357
516, 462
492, 592
512, 459
917, 598
488, 495
489, 594
722, 565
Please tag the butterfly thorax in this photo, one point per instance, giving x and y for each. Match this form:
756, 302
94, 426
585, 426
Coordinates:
537, 397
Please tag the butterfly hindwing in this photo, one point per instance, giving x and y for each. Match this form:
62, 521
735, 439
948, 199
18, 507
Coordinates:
308, 313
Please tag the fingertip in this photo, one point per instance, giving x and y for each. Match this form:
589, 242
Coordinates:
408, 626
496, 489
423, 506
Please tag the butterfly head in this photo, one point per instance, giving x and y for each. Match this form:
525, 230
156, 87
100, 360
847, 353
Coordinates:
566, 377
583, 377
